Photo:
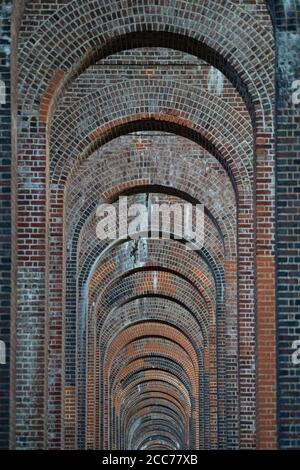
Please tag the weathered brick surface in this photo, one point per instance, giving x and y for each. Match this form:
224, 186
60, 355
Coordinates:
287, 31
5, 214
145, 344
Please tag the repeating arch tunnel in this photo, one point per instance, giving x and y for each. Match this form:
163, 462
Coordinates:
149, 345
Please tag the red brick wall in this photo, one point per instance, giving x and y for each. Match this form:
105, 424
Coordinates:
172, 102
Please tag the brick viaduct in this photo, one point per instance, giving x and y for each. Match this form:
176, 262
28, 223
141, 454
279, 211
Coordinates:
143, 344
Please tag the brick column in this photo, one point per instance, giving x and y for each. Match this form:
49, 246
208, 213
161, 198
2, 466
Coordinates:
287, 29
5, 217
56, 325
31, 377
232, 391
265, 293
247, 333
91, 397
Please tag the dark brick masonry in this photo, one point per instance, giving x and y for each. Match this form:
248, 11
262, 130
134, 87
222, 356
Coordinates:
5, 216
146, 345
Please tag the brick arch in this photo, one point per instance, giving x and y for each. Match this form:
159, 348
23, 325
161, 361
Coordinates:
168, 415
166, 318
98, 252
185, 360
157, 314
196, 270
107, 268
153, 392
99, 187
164, 432
104, 280
111, 329
128, 335
136, 406
162, 438
211, 45
90, 248
162, 296
140, 284
256, 16
179, 395
103, 116
55, 210
162, 349
157, 306
163, 383
264, 246
127, 415
164, 123
83, 236
149, 378
151, 387
95, 249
